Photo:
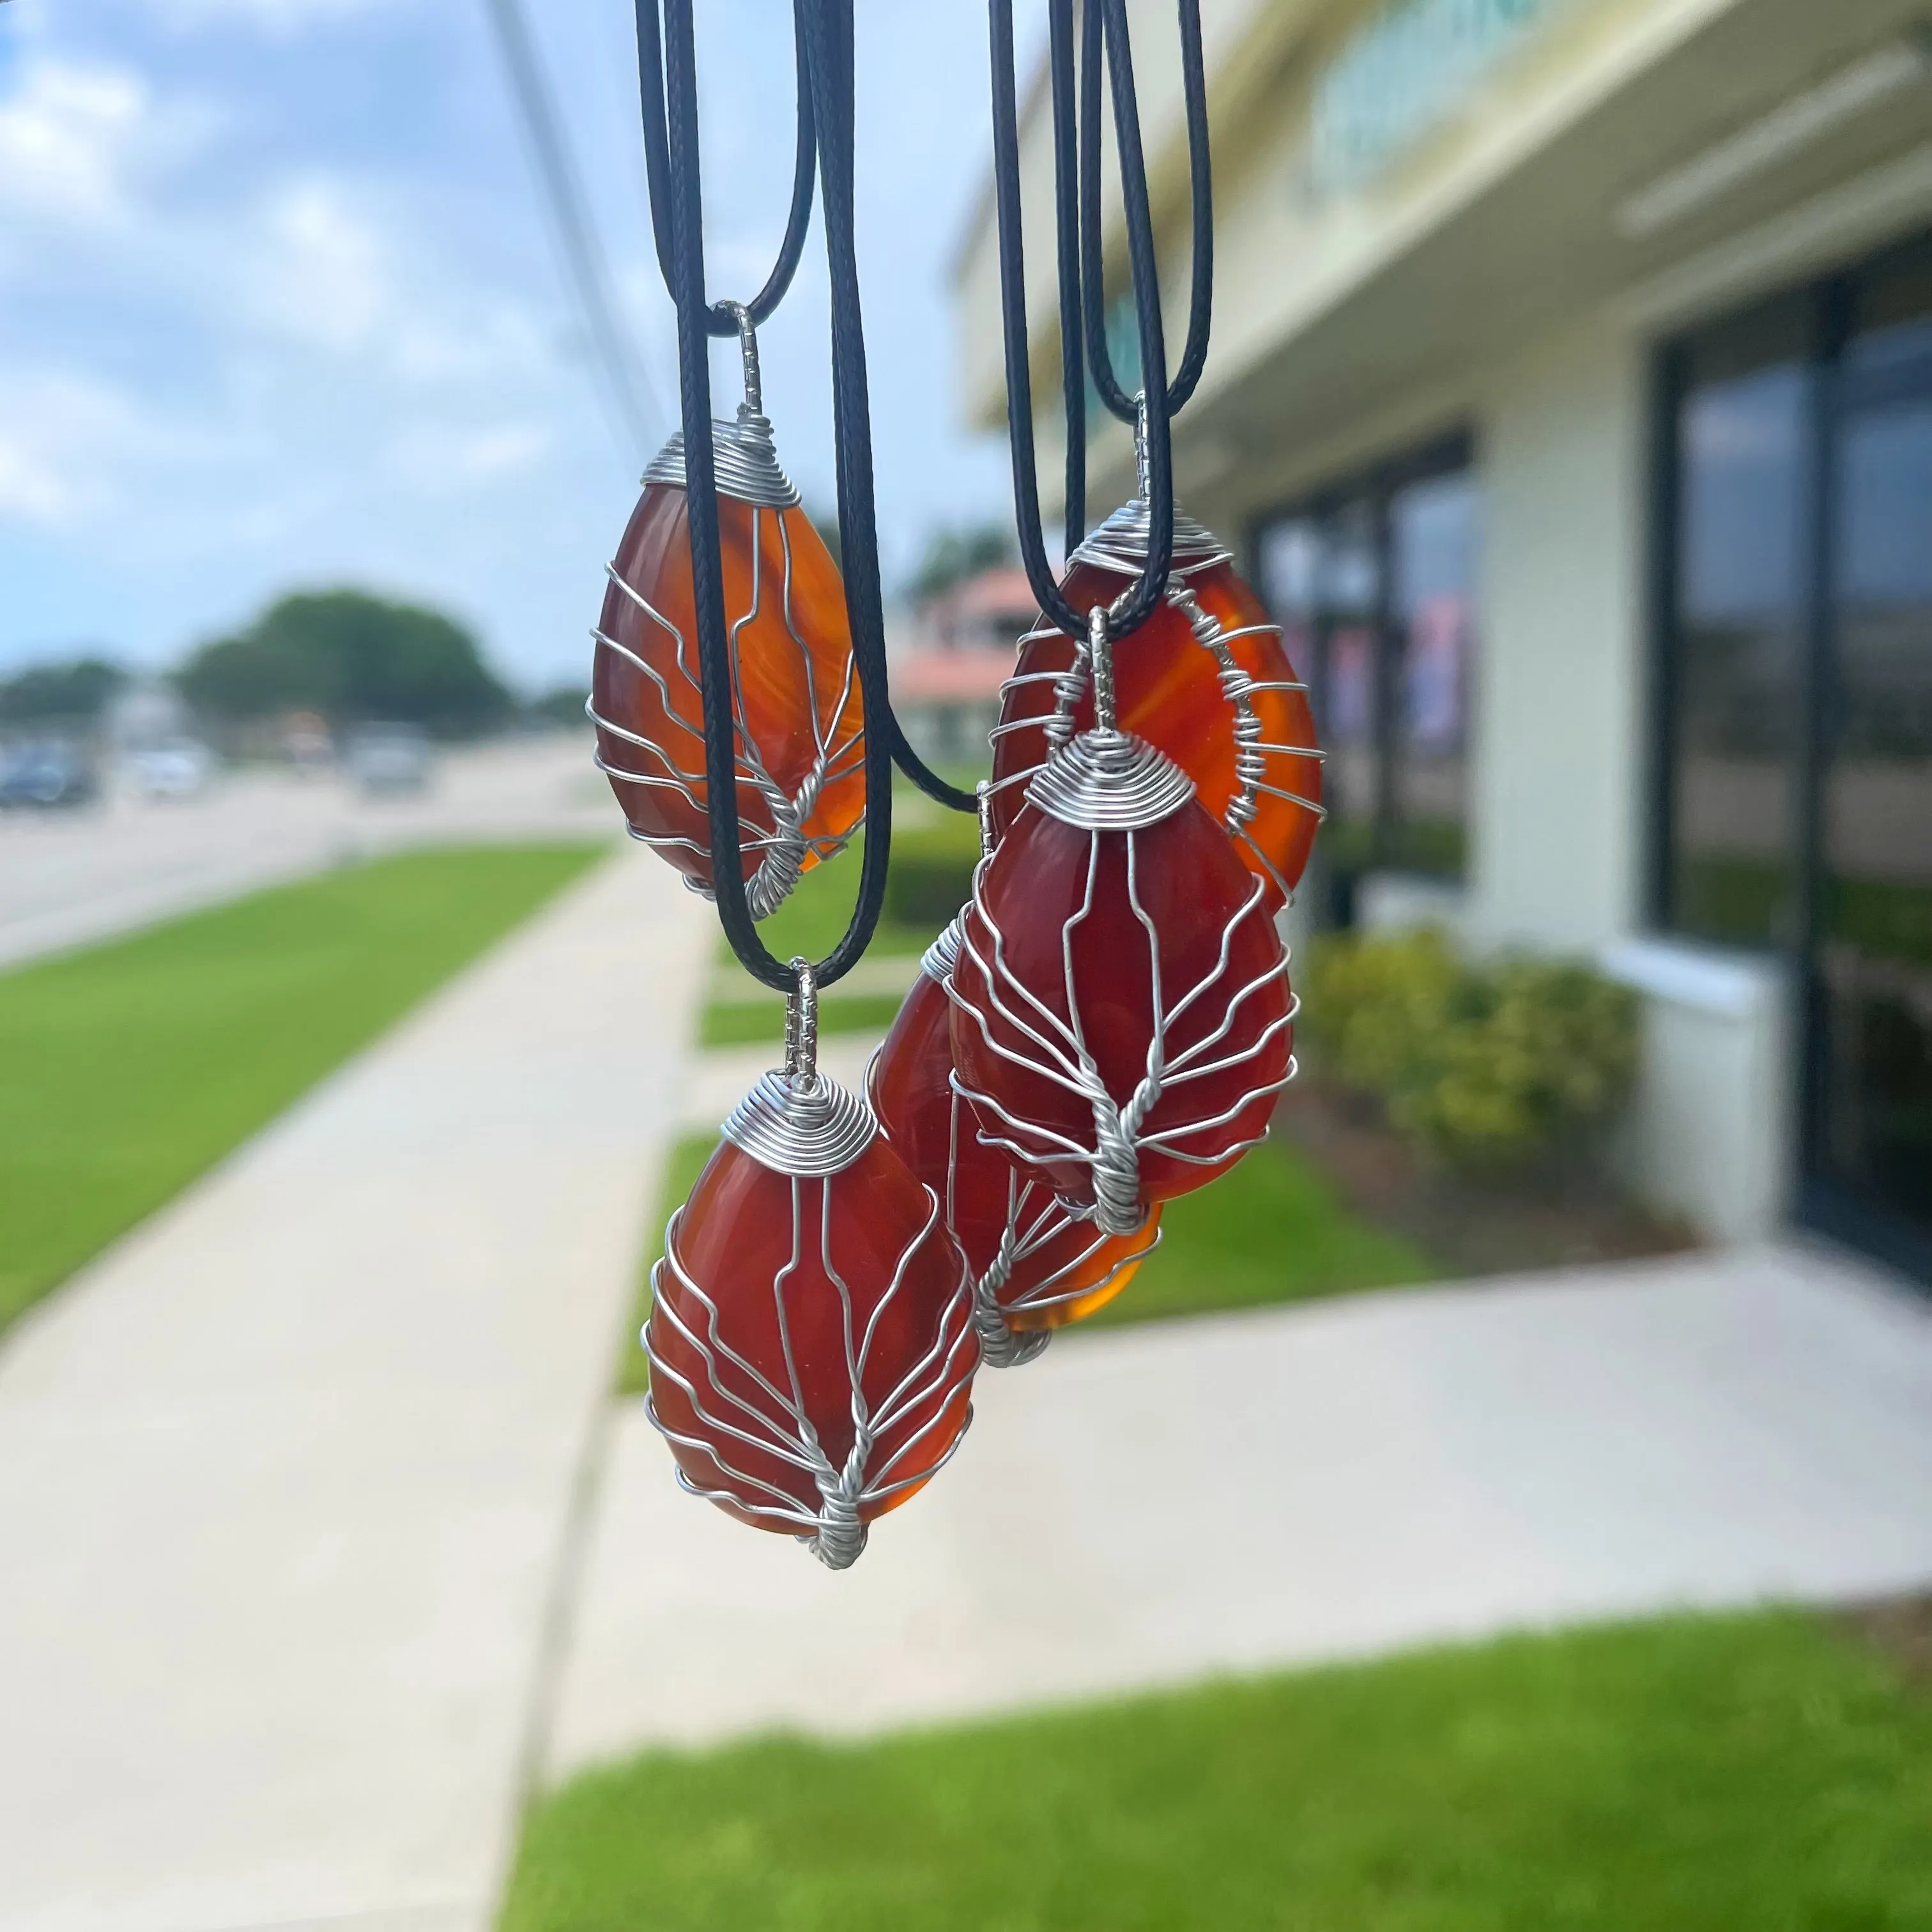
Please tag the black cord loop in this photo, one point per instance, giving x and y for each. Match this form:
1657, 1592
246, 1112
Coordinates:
721, 318
823, 37
1095, 16
1135, 604
825, 42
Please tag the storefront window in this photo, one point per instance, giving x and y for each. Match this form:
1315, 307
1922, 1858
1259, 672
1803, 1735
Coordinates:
1797, 719
1733, 657
1374, 587
1432, 538
1347, 680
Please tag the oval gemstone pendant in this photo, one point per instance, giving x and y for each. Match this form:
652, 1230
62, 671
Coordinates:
811, 1336
1207, 680
795, 703
1122, 1018
1035, 1265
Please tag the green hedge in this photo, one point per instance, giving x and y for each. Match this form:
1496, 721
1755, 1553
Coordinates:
1503, 1064
931, 873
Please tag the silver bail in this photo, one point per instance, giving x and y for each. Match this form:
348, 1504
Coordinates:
801, 1062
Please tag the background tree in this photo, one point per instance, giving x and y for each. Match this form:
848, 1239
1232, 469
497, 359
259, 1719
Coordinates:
352, 657
563, 705
74, 690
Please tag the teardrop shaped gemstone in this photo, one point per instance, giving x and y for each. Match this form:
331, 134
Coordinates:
1122, 1018
807, 1333
800, 732
1172, 690
1035, 1262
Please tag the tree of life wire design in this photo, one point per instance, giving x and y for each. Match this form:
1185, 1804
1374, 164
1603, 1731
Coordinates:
749, 473
1036, 1218
835, 755
1253, 751
777, 1424
1062, 1055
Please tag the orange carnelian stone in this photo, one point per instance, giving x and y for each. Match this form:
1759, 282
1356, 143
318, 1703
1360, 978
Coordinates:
1148, 946
798, 708
800, 1277
1169, 693
1066, 1268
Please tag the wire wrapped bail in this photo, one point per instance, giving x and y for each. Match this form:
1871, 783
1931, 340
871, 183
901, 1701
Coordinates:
748, 350
801, 1038
1100, 658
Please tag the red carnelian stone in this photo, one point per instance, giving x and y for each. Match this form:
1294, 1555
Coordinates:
1168, 692
735, 1238
1192, 888
789, 676
910, 1089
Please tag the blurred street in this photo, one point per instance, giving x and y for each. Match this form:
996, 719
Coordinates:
72, 876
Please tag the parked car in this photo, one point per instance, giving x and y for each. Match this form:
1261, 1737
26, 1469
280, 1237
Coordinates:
45, 774
175, 768
388, 757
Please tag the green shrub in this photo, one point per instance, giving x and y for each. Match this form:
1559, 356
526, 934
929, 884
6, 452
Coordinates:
931, 873
1499, 1065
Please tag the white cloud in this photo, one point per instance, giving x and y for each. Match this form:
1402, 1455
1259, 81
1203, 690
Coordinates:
64, 438
65, 136
274, 16
318, 274
440, 458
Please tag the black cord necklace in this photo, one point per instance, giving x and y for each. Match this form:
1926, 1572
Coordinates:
823, 42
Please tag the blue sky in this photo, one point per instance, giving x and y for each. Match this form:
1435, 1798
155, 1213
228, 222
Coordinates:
277, 305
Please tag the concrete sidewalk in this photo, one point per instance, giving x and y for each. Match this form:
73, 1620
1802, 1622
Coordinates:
1141, 1507
286, 1478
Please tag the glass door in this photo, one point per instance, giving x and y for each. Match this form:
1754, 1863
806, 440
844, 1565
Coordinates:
1870, 1113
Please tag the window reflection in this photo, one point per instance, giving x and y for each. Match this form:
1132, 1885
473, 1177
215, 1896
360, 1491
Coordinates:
1376, 594
1433, 539
1734, 665
1876, 946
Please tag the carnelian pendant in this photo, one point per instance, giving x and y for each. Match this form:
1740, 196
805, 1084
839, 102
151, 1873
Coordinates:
1206, 678
1035, 1265
811, 1336
1122, 1018
800, 726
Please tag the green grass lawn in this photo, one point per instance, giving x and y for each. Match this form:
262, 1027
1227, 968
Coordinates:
1752, 1774
933, 855
128, 1069
1271, 1231
746, 1022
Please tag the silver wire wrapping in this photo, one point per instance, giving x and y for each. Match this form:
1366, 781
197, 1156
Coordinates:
802, 1125
1035, 1217
748, 471
1108, 784
1120, 545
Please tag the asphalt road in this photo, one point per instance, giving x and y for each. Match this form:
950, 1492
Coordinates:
70, 877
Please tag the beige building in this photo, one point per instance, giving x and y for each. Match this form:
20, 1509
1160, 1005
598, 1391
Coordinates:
1571, 397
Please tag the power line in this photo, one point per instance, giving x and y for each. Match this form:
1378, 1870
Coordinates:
573, 229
